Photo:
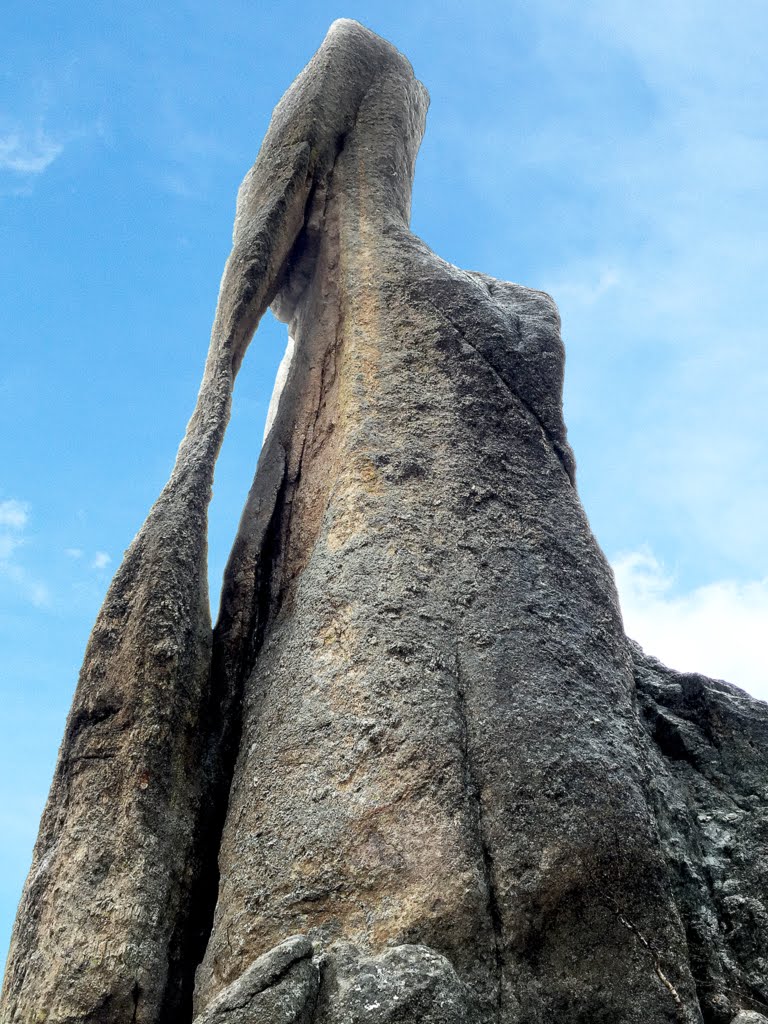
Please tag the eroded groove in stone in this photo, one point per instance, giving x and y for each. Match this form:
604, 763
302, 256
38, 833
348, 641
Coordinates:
281, 987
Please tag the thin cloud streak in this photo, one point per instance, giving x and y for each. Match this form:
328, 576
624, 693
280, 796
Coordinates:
28, 155
33, 590
14, 514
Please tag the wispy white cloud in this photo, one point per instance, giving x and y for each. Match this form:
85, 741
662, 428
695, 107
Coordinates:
718, 628
9, 543
32, 589
667, 368
100, 560
14, 516
191, 157
74, 552
586, 289
28, 154
177, 185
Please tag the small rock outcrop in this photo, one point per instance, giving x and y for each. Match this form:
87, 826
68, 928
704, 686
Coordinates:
416, 772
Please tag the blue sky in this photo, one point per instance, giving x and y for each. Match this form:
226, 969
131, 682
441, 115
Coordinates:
613, 153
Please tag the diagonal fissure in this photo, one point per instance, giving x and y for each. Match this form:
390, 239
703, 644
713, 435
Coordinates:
507, 387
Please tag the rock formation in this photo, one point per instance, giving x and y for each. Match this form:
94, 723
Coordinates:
417, 772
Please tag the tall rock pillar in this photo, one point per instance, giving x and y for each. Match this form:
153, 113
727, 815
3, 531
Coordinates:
418, 766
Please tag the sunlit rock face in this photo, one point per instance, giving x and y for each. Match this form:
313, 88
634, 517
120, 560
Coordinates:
417, 772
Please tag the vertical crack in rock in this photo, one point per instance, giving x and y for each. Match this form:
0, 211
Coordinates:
136, 993
475, 798
223, 721
253, 579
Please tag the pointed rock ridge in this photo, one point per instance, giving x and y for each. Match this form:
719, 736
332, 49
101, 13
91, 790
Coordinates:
458, 792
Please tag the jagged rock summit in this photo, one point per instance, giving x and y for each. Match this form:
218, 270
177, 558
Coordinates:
417, 772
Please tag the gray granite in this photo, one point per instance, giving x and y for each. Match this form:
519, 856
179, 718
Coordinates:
416, 772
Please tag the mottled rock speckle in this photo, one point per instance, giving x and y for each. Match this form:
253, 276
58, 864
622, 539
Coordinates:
416, 772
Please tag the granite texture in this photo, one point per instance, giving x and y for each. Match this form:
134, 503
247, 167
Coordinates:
417, 772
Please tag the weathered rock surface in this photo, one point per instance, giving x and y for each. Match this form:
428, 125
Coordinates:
404, 983
451, 772
281, 987
709, 792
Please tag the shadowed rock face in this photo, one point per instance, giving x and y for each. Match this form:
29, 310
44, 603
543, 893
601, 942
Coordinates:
440, 783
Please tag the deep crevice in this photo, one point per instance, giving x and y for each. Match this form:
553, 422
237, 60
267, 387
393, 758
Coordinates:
236, 644
223, 718
319, 998
135, 995
473, 791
